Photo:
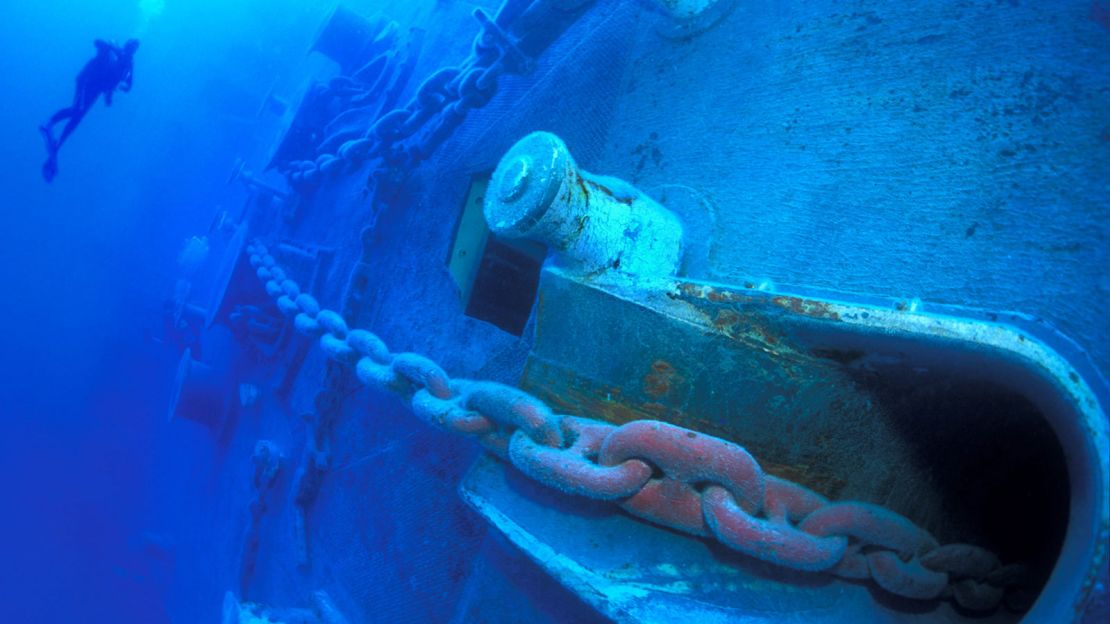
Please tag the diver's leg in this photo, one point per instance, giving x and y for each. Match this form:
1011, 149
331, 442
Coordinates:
70, 126
82, 101
65, 113
50, 167
76, 116
79, 97
47, 129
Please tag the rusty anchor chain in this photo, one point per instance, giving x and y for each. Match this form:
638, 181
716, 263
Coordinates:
438, 107
669, 475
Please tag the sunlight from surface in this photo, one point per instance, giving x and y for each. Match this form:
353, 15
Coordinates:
148, 10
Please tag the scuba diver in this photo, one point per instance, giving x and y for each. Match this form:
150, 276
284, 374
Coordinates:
108, 70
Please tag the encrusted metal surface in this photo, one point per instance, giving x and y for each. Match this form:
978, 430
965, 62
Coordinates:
780, 158
889, 404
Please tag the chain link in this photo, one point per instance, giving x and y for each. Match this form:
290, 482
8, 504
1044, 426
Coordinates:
449, 93
772, 540
669, 475
574, 469
686, 459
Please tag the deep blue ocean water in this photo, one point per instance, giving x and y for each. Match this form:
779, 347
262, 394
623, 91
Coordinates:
86, 262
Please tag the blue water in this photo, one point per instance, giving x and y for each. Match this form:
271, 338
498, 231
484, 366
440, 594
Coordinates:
85, 263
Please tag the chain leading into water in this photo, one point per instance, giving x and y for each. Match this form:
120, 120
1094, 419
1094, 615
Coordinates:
676, 477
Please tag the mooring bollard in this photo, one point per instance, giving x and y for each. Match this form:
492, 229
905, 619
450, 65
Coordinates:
592, 223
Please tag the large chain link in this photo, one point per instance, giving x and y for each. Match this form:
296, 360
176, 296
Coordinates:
672, 476
440, 105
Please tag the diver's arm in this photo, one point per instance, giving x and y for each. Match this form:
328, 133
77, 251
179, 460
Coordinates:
125, 84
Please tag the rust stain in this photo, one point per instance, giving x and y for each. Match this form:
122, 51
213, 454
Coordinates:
569, 394
698, 291
566, 196
660, 379
740, 326
806, 307
581, 221
763, 334
690, 290
717, 296
726, 320
797, 305
748, 325
582, 182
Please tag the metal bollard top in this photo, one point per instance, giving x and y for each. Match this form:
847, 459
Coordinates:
525, 183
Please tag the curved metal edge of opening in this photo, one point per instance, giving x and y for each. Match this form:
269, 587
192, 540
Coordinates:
1082, 434
1071, 396
1046, 367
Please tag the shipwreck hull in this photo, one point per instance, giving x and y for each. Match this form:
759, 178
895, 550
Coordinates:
794, 189
954, 418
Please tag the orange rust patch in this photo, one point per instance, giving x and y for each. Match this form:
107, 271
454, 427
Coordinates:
763, 334
711, 294
659, 381
807, 307
726, 320
606, 403
690, 290
798, 305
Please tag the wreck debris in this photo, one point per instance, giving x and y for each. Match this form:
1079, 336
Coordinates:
267, 463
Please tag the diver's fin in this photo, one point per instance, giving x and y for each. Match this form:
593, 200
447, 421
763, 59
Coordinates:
51, 144
50, 167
